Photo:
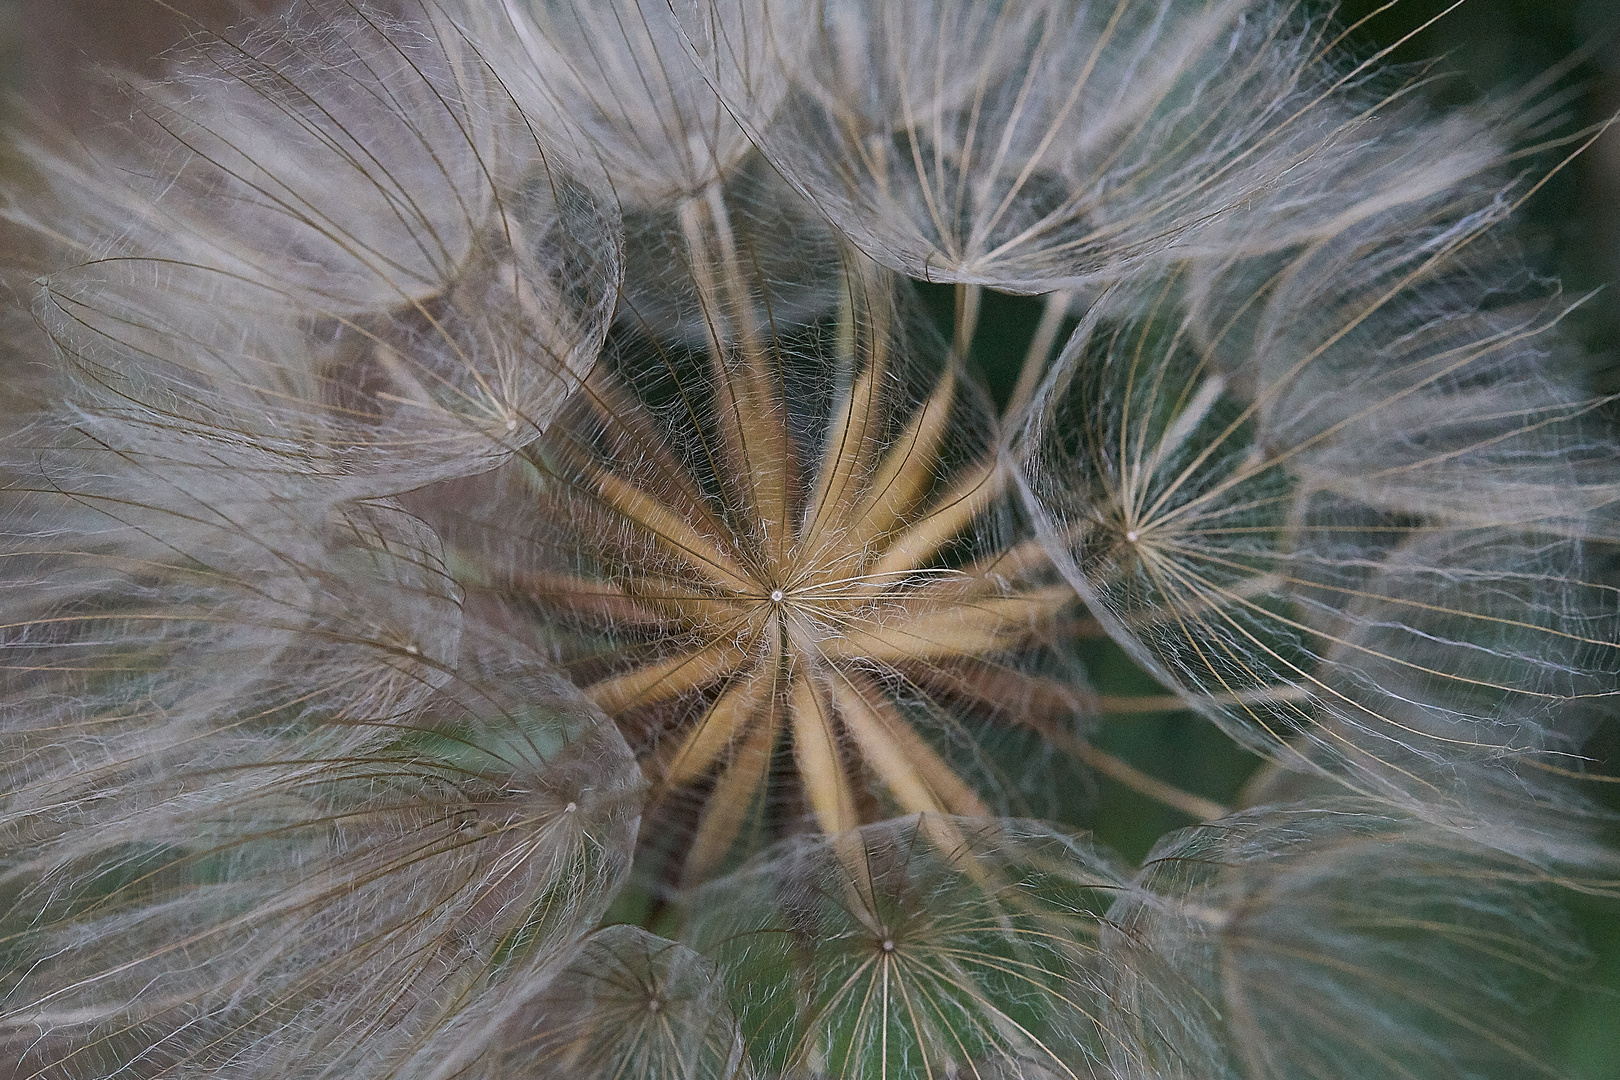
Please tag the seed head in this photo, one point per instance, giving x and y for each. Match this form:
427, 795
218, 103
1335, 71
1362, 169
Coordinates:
778, 549
509, 479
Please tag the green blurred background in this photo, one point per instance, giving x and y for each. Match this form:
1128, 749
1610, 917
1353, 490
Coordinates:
1488, 48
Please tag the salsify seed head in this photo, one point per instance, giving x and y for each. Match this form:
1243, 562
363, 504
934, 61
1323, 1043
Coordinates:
787, 553
529, 569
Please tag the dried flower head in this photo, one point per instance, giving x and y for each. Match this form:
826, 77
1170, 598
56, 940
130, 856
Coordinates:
791, 543
512, 476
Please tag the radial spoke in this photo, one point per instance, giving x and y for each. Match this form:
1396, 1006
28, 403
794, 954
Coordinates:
854, 427
670, 678
625, 423
905, 475
733, 794
919, 778
608, 602
815, 748
988, 626
658, 522
963, 501
721, 723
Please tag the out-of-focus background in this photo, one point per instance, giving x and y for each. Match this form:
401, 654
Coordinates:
1572, 225
1489, 48
1486, 49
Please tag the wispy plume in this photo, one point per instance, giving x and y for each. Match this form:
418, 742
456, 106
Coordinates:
520, 581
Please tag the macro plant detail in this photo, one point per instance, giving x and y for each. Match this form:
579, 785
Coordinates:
1045, 147
933, 943
804, 555
1277, 542
434, 288
1242, 941
628, 1004
527, 569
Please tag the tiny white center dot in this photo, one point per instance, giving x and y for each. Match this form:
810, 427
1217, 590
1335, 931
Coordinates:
570, 808
888, 945
511, 425
777, 595
1132, 536
412, 649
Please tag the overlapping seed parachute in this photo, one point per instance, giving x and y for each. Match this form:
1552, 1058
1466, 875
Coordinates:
922, 946
1336, 940
613, 79
313, 867
421, 287
273, 803
1343, 503
630, 1004
1048, 145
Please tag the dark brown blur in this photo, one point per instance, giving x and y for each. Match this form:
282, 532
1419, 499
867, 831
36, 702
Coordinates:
63, 40
60, 54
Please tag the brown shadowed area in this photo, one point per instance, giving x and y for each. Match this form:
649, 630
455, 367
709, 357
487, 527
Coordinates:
60, 47
61, 39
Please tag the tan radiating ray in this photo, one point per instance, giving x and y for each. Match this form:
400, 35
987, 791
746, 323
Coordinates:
617, 410
816, 747
659, 522
753, 438
852, 439
892, 747
903, 477
795, 605
678, 675
726, 718
658, 605
727, 807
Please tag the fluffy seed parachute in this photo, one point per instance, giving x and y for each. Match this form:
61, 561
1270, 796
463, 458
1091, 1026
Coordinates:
513, 476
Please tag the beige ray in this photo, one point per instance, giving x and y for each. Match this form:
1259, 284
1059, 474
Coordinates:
1031, 606
673, 531
904, 476
853, 432
1130, 776
1055, 310
952, 513
670, 678
768, 453
882, 753
728, 803
748, 407
815, 748
920, 779
990, 625
1014, 562
625, 422
733, 463
607, 600
719, 726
